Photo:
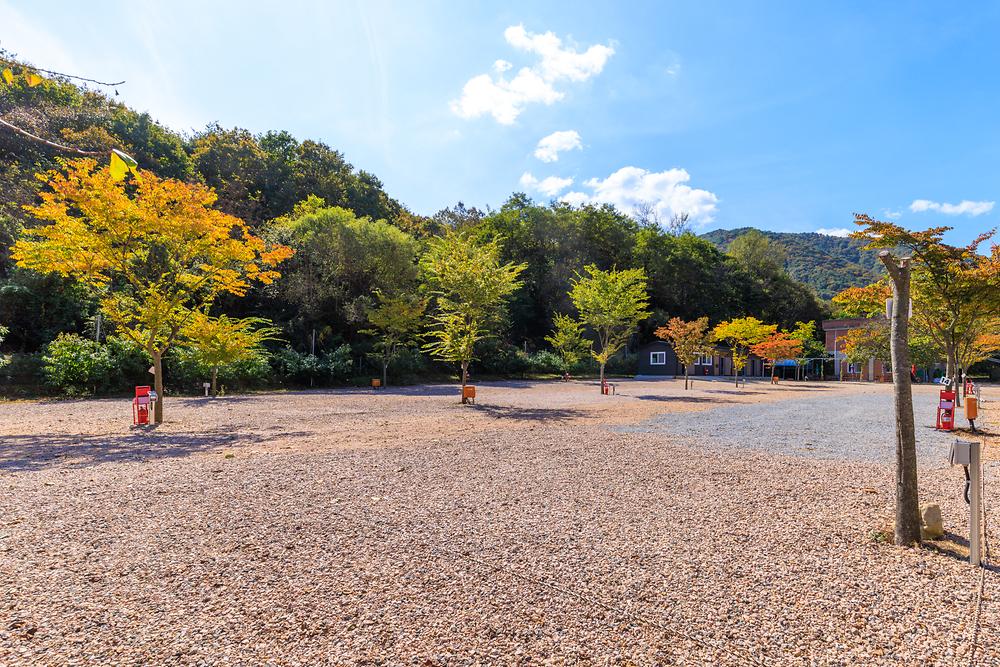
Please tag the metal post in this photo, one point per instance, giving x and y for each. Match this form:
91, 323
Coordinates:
975, 506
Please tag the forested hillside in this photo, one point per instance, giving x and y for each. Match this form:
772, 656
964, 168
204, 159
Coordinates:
829, 264
353, 242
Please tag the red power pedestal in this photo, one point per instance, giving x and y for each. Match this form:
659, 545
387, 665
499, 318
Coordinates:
946, 411
140, 406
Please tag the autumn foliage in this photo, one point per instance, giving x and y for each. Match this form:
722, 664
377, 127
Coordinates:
152, 249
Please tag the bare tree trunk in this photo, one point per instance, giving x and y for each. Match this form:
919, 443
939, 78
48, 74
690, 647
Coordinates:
907, 500
158, 386
685, 377
602, 378
952, 371
465, 377
215, 381
385, 372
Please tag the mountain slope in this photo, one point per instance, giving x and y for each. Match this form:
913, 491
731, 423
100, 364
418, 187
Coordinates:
829, 264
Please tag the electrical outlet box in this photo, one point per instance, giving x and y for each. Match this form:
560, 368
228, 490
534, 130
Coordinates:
961, 453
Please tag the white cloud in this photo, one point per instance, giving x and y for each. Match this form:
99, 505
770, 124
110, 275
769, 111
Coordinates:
549, 147
505, 98
892, 215
551, 185
842, 232
667, 191
964, 207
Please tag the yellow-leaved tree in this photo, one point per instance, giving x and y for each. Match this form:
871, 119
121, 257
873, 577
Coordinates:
153, 250
219, 341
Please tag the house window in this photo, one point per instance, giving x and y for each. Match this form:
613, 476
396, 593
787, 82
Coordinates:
657, 358
853, 368
704, 360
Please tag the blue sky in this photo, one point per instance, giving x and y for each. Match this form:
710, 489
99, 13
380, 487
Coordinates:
784, 116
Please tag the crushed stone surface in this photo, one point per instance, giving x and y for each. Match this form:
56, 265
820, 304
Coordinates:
543, 526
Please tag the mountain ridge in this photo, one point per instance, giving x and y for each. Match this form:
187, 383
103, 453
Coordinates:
828, 264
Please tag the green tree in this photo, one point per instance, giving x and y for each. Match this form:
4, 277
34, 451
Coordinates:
220, 341
567, 340
690, 340
758, 255
340, 262
812, 347
470, 285
395, 323
741, 334
611, 303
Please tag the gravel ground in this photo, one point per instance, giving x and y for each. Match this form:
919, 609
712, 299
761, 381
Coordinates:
401, 528
839, 426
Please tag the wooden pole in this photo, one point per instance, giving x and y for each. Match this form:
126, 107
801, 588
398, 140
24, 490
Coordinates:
907, 530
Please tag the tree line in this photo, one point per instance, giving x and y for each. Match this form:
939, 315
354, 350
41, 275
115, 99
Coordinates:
356, 263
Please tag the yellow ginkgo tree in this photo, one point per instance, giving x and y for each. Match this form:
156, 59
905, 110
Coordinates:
154, 250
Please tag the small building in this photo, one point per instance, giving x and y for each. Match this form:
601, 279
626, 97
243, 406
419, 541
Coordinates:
834, 332
657, 358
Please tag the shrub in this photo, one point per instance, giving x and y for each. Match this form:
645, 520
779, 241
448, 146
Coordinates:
183, 372
74, 365
338, 364
249, 373
545, 361
407, 364
291, 367
494, 357
128, 366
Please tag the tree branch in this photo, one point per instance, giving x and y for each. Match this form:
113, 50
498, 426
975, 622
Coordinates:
65, 76
51, 144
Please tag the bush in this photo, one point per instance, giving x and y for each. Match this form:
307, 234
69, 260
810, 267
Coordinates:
246, 374
337, 365
296, 368
545, 361
494, 357
23, 370
128, 366
183, 372
407, 364
74, 365
291, 367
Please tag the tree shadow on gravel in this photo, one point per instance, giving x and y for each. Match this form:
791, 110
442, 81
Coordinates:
680, 399
528, 414
955, 546
37, 452
733, 392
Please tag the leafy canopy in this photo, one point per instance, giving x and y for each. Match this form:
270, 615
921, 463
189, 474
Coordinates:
780, 345
222, 340
741, 334
395, 323
567, 340
690, 340
611, 303
154, 249
470, 285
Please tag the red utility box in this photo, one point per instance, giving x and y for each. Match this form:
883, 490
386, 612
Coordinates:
946, 411
140, 406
